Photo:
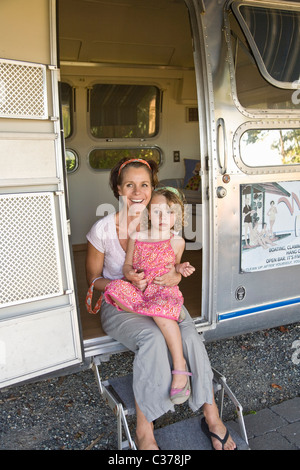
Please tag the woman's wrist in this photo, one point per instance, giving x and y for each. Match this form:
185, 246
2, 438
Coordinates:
179, 276
100, 283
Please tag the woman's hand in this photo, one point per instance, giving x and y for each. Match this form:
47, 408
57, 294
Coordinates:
170, 279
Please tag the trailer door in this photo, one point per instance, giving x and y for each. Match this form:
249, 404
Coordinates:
39, 329
250, 74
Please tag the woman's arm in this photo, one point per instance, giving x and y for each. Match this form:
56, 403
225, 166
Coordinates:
94, 267
129, 256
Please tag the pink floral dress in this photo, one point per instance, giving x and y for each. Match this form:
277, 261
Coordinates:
154, 301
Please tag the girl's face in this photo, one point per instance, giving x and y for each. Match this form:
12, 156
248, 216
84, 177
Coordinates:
135, 187
161, 213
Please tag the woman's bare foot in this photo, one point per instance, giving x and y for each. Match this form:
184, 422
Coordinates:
216, 426
220, 430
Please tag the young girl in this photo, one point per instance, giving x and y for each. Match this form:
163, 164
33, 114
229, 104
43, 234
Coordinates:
149, 254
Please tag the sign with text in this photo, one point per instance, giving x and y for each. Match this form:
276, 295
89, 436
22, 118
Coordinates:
270, 225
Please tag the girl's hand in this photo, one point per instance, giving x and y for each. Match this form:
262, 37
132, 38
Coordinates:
170, 279
137, 279
186, 269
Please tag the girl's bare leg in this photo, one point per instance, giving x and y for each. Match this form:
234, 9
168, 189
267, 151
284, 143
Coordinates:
117, 302
171, 332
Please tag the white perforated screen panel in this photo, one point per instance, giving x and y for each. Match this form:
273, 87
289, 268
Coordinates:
22, 90
29, 253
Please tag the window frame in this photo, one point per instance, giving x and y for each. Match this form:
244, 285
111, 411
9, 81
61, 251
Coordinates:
258, 170
70, 172
235, 6
71, 114
292, 112
134, 148
118, 138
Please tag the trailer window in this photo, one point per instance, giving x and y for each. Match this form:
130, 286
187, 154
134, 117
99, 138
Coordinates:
274, 36
72, 161
266, 53
105, 159
67, 109
124, 111
270, 147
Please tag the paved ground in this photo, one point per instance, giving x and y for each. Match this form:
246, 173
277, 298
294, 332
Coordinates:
275, 428
262, 369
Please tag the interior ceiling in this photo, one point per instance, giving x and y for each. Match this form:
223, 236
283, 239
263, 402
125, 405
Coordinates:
137, 32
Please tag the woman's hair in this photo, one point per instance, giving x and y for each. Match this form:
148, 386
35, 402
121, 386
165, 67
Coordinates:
176, 197
117, 172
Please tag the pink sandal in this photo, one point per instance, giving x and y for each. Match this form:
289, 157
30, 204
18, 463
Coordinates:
180, 395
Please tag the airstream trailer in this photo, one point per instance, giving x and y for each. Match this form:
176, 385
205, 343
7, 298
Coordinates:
210, 89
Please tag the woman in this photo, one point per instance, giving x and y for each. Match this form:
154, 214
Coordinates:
133, 181
272, 216
247, 221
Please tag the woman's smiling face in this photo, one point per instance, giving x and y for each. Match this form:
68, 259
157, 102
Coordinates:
135, 186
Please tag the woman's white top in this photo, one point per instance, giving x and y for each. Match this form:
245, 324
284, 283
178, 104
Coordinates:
103, 236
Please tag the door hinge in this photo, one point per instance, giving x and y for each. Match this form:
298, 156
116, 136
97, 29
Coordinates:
206, 163
53, 68
68, 291
69, 227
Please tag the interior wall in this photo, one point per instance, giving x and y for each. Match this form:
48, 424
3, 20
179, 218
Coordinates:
173, 73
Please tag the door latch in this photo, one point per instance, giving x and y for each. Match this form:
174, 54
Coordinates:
221, 192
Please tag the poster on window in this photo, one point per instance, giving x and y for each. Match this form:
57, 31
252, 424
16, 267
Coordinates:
270, 225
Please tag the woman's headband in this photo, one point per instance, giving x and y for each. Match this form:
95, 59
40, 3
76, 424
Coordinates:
139, 160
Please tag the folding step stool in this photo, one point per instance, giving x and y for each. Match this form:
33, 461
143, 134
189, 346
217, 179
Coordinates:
118, 394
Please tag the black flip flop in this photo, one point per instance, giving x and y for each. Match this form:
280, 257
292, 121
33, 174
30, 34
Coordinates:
209, 434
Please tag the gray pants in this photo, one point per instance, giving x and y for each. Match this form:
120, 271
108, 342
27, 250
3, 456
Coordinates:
152, 363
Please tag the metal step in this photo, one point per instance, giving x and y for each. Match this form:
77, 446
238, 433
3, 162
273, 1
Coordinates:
183, 435
121, 389
188, 435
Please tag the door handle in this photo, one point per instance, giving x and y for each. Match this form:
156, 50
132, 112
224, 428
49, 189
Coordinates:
223, 162
221, 192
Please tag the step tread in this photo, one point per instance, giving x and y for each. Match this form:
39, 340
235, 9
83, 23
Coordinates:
123, 388
188, 435
183, 435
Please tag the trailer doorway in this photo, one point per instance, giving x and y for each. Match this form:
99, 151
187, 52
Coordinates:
128, 44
